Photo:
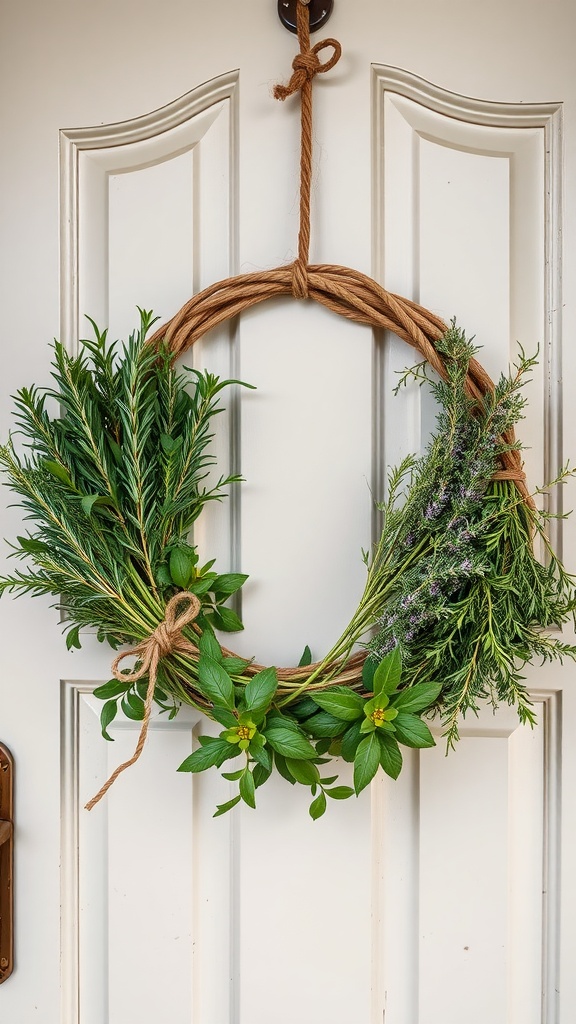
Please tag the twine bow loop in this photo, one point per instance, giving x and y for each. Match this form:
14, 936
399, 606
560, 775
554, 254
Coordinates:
166, 638
307, 65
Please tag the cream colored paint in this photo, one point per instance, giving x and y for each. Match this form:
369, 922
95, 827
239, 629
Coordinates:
419, 904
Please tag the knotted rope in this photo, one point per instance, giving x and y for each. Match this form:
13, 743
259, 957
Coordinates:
166, 639
306, 65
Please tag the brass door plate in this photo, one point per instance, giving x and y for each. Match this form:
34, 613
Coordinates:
6, 864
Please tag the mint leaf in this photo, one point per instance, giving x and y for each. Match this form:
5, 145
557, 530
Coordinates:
73, 638
412, 731
229, 583
350, 741
215, 683
262, 755
209, 646
390, 755
323, 724
388, 674
341, 702
224, 717
247, 788
366, 762
181, 567
260, 690
340, 792
417, 698
304, 772
289, 743
111, 689
227, 620
222, 808
107, 715
318, 806
306, 658
213, 752
368, 670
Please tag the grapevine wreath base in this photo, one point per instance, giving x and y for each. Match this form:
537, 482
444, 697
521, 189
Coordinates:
455, 601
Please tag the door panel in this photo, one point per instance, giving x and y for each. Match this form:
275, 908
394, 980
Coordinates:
435, 900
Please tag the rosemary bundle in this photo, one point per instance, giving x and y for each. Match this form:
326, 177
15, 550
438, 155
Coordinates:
456, 600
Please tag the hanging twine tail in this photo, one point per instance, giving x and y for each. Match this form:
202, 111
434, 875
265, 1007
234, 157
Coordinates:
306, 65
166, 639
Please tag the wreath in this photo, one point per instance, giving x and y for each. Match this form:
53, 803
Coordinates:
455, 601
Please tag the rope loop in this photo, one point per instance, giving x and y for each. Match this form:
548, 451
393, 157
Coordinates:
306, 66
299, 280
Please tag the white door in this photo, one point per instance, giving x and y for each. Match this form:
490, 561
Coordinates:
436, 900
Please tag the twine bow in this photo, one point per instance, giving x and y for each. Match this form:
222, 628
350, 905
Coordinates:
166, 639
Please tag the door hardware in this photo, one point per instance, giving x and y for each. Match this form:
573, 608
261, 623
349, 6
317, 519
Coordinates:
320, 11
6, 864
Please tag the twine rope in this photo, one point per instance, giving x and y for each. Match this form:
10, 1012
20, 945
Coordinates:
306, 65
344, 291
166, 639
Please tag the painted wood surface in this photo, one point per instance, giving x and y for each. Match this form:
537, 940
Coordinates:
144, 158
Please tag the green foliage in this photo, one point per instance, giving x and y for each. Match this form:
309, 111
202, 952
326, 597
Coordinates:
456, 599
460, 592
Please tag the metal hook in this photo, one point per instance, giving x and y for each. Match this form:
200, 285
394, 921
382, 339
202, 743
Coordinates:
320, 11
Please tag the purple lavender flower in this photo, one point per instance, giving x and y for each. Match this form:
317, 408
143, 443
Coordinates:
432, 510
466, 565
390, 644
435, 588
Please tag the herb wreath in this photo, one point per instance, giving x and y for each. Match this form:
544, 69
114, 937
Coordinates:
455, 600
